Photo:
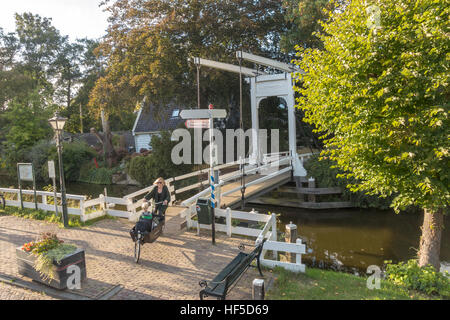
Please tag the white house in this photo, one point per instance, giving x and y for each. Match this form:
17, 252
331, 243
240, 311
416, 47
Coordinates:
151, 121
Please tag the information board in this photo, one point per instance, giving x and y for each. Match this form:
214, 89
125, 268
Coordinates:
25, 171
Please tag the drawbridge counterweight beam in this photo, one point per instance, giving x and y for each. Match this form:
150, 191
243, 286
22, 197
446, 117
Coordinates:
226, 67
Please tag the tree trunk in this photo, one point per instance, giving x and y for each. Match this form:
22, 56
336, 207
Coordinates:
110, 153
69, 93
430, 241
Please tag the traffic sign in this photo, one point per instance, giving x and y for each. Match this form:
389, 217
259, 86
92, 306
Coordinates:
203, 114
197, 124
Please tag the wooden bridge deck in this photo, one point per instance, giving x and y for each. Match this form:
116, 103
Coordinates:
233, 200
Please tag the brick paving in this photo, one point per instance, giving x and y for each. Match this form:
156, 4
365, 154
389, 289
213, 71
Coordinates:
169, 268
9, 292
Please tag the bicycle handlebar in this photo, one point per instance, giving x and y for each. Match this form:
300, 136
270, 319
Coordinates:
155, 202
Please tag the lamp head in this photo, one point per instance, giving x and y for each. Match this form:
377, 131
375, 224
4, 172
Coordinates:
57, 122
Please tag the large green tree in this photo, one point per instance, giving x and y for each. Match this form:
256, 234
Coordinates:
38, 44
88, 69
303, 19
41, 71
13, 82
67, 67
149, 42
26, 89
378, 93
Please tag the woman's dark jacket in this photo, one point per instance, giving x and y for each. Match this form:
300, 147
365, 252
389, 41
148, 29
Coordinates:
158, 197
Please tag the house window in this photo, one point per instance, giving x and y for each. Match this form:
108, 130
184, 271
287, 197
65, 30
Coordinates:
175, 113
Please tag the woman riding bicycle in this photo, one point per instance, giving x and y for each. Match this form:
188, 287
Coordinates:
161, 195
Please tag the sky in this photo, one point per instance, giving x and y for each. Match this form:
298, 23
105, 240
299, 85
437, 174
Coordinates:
75, 18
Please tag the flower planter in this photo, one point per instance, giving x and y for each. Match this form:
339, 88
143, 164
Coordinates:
25, 263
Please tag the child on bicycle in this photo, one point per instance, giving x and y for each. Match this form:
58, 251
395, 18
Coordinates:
145, 222
149, 215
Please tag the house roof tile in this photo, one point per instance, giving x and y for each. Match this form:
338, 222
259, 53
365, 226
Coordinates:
157, 119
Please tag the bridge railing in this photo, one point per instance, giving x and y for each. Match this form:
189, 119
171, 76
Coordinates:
278, 162
135, 199
269, 158
264, 226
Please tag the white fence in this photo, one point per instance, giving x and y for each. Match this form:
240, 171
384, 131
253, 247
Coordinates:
76, 205
269, 231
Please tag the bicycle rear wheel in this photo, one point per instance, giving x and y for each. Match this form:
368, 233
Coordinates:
137, 250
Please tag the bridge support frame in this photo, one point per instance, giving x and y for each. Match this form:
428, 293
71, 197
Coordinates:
276, 85
263, 85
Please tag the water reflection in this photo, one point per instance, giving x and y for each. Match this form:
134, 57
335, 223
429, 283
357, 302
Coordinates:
353, 239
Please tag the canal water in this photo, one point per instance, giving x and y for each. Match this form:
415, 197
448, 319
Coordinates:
352, 239
339, 239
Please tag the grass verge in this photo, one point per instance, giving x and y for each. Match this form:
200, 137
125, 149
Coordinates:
74, 221
316, 284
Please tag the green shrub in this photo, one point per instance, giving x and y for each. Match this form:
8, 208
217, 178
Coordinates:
74, 155
96, 175
146, 169
11, 156
140, 169
39, 156
327, 177
424, 279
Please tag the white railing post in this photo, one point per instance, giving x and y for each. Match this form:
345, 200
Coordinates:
82, 211
298, 258
172, 194
274, 233
103, 204
229, 224
131, 209
188, 218
218, 194
194, 211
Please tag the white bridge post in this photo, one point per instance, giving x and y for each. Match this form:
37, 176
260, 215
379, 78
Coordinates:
274, 234
229, 222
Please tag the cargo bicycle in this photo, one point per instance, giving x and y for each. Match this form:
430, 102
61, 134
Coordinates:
148, 229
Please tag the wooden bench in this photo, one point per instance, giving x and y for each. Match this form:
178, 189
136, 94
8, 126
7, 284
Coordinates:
221, 284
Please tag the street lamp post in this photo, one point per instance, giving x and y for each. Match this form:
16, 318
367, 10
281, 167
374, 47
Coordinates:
57, 124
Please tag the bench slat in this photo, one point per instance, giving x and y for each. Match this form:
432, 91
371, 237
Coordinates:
221, 283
